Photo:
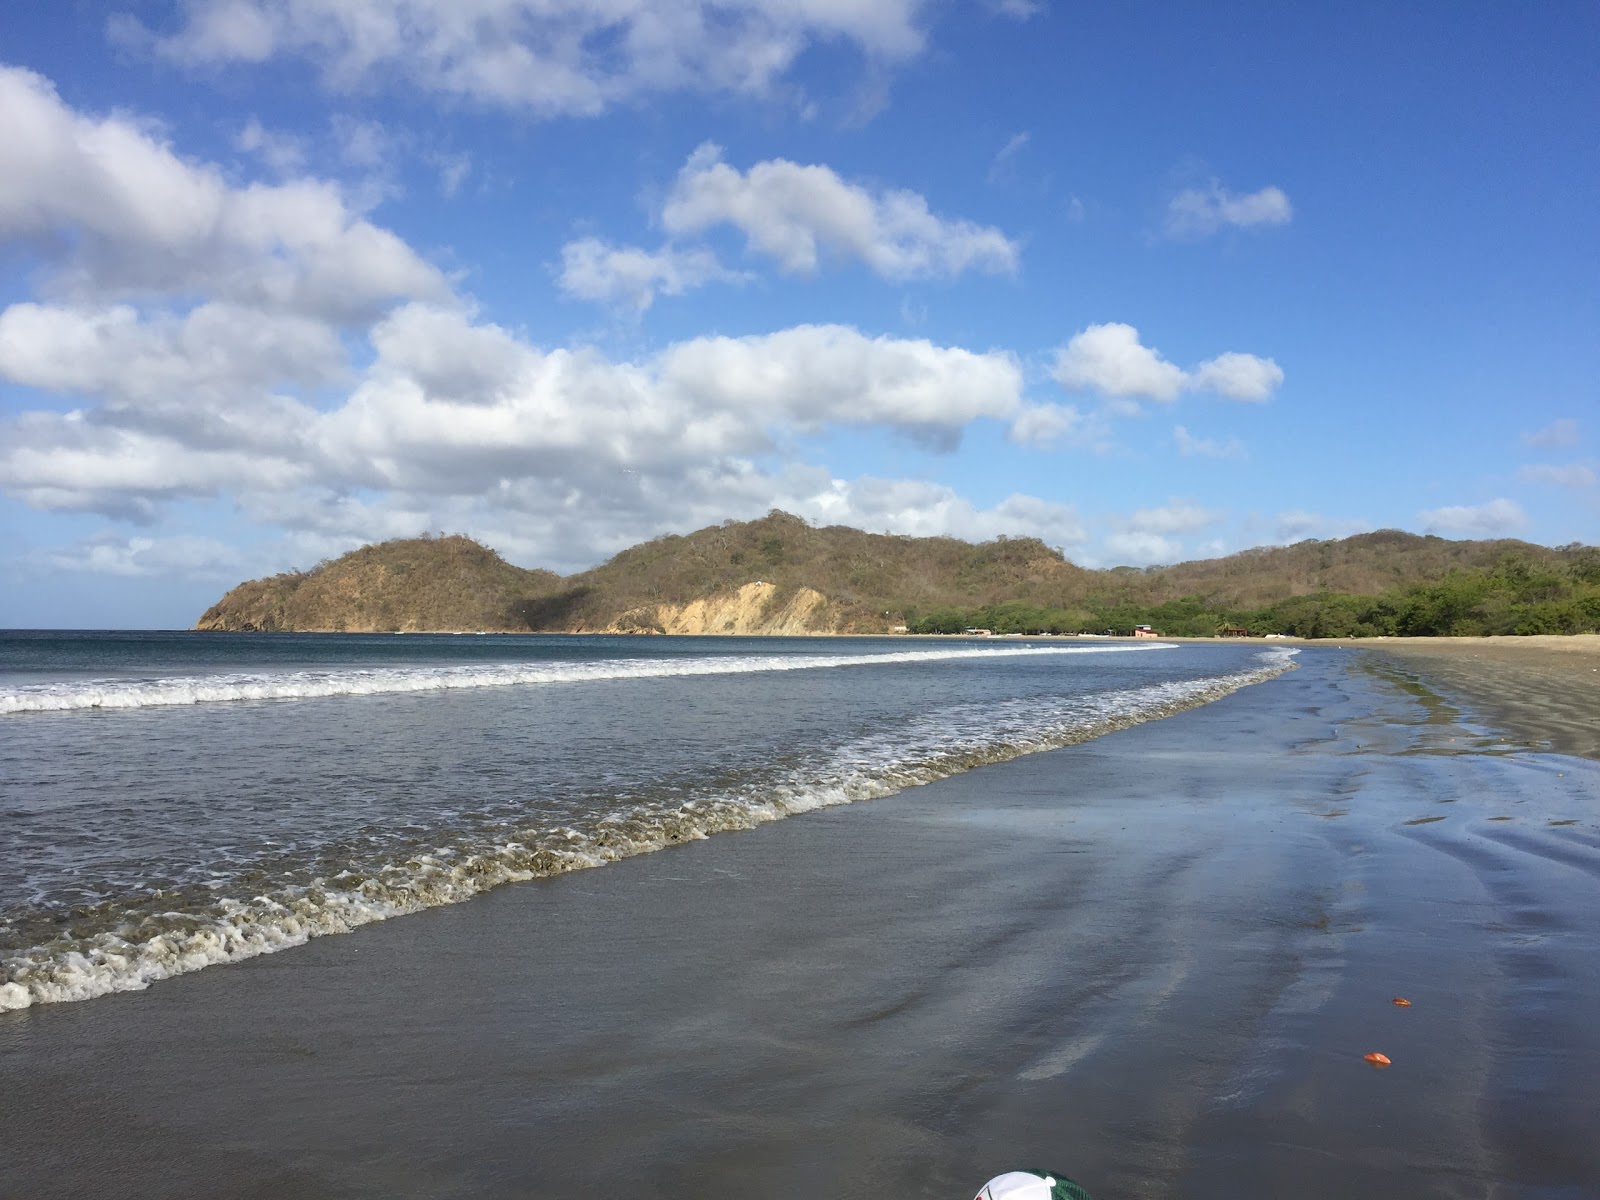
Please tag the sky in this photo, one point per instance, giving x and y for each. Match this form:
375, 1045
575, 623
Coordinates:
1148, 281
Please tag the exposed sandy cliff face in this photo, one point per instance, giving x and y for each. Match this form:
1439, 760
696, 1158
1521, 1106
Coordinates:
754, 608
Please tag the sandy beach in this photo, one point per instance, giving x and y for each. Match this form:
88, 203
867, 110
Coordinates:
1544, 690
1153, 961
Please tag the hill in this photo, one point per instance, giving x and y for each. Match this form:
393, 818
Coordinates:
411, 585
1366, 564
781, 575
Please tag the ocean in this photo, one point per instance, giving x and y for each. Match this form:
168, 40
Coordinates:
170, 801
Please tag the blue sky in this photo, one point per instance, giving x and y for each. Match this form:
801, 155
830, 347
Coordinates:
1149, 281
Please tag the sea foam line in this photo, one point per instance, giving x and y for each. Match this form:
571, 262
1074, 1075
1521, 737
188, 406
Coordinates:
237, 928
376, 681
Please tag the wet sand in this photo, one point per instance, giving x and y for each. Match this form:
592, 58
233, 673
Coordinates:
1544, 690
1153, 961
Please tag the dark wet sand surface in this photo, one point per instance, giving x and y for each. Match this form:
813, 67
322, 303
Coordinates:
1153, 961
1543, 690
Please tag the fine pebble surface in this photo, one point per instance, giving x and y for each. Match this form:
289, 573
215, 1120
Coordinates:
174, 801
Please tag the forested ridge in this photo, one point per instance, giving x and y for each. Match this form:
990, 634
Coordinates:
1383, 583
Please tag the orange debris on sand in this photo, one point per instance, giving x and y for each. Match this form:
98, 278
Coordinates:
1376, 1059
1401, 1002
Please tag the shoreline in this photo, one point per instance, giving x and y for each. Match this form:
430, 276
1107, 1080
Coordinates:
1152, 961
1542, 689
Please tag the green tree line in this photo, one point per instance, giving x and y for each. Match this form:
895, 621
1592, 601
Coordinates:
1517, 595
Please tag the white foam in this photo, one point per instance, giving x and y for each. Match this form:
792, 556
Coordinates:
944, 744
375, 681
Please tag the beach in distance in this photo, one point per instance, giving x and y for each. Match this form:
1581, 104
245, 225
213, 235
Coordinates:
1134, 913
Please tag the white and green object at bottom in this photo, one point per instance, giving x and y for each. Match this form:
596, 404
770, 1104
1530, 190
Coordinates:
1032, 1185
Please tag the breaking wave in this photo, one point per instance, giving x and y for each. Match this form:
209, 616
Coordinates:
125, 946
376, 681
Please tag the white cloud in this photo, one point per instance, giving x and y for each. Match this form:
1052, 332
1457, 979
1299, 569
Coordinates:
453, 408
1191, 446
200, 326
146, 223
631, 277
185, 556
1574, 475
1238, 377
216, 355
282, 152
542, 57
363, 144
1199, 212
1145, 537
922, 509
814, 374
1046, 424
70, 463
795, 213
1495, 516
1110, 359
1562, 432
1135, 549
1177, 516
453, 171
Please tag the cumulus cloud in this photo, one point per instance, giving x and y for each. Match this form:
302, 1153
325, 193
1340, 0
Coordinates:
1562, 432
631, 277
146, 223
795, 214
816, 374
1200, 212
181, 555
217, 355
70, 463
1147, 536
282, 152
1177, 516
266, 347
1136, 549
541, 57
1495, 516
1572, 475
1191, 446
1238, 377
1047, 424
453, 408
923, 509
1111, 360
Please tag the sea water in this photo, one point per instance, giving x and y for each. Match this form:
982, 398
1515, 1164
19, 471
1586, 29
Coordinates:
173, 800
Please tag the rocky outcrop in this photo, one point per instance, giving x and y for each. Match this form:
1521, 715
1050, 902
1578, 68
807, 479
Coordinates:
755, 608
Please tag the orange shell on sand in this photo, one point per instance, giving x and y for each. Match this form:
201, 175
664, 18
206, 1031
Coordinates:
1401, 1002
1376, 1059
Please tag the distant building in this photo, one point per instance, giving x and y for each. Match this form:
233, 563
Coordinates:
1145, 631
1232, 631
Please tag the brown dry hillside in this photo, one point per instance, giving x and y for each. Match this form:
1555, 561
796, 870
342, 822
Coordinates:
781, 575
867, 579
411, 585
